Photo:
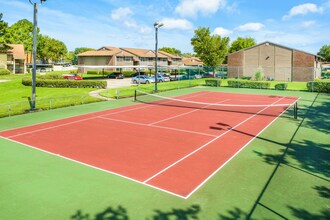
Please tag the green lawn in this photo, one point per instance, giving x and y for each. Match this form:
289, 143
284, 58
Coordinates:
282, 174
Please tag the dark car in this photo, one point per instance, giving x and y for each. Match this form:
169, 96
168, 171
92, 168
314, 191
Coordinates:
115, 75
138, 74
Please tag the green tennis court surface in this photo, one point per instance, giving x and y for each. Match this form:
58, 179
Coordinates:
282, 174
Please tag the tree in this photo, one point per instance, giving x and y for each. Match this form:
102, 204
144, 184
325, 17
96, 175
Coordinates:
50, 49
3, 28
20, 33
78, 51
325, 52
171, 50
212, 49
241, 43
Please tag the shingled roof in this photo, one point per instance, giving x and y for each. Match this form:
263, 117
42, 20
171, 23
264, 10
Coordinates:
17, 51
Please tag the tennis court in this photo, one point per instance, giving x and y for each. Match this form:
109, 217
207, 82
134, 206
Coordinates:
171, 144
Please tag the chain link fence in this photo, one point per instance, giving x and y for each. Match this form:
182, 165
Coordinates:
14, 108
286, 74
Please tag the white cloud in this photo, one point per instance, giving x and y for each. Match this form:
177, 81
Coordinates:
307, 24
222, 32
171, 23
302, 10
121, 13
250, 27
190, 8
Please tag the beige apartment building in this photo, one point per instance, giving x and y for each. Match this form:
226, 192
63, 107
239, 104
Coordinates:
276, 61
12, 57
112, 56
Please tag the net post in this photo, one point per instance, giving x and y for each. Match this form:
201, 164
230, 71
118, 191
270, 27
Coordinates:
135, 95
295, 110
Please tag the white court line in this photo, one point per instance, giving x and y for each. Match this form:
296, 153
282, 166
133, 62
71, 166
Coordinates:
98, 168
209, 177
203, 146
156, 126
77, 121
186, 113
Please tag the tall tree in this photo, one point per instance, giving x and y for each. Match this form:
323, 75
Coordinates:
20, 33
3, 29
78, 51
171, 50
50, 49
241, 43
325, 52
212, 49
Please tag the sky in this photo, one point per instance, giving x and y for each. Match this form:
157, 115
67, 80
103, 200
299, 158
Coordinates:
299, 24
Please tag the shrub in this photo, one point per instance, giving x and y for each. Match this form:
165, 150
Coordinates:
319, 86
4, 71
213, 82
259, 75
245, 77
62, 83
92, 72
248, 84
281, 86
50, 76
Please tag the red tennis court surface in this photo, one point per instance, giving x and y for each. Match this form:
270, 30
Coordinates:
167, 146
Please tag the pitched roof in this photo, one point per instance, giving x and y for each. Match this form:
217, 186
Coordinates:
279, 45
143, 52
174, 56
105, 51
192, 61
17, 51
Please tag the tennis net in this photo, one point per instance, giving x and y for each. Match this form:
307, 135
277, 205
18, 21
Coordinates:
154, 99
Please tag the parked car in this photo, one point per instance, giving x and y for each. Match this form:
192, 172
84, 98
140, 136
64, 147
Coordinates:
138, 74
143, 79
115, 75
72, 77
164, 76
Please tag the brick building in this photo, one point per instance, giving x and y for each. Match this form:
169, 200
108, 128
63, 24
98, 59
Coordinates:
277, 62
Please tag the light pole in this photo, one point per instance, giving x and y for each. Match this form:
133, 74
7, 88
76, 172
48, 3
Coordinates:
156, 25
34, 53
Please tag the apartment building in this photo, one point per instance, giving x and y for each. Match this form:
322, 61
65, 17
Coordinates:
12, 57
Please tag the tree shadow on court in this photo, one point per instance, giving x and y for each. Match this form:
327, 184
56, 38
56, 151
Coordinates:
318, 117
178, 214
121, 213
306, 215
109, 213
323, 191
234, 214
310, 156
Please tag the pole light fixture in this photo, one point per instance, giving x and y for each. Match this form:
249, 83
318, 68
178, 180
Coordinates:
157, 25
34, 53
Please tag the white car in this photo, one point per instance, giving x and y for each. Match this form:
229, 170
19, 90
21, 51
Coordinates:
143, 79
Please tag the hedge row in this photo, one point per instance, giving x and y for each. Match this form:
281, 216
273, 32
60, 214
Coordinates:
4, 71
281, 86
66, 83
248, 84
213, 82
319, 86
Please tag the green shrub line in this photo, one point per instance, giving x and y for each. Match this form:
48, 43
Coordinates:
281, 86
248, 84
4, 71
319, 86
213, 82
63, 83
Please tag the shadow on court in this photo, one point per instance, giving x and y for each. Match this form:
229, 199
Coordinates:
121, 213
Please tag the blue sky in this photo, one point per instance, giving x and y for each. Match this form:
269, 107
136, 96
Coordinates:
300, 24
